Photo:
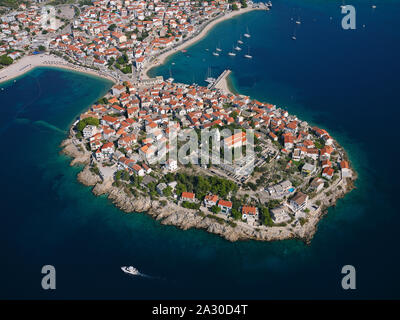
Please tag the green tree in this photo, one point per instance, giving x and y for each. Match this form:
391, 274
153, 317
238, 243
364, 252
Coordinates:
190, 205
5, 60
266, 217
125, 175
236, 214
180, 187
118, 175
87, 121
215, 209
167, 191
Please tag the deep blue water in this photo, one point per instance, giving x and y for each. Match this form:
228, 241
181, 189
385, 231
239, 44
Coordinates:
344, 81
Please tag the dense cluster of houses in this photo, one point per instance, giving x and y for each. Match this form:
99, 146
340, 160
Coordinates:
17, 29
136, 123
108, 29
140, 29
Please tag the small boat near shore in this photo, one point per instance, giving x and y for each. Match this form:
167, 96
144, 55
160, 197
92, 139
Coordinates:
170, 79
240, 40
209, 79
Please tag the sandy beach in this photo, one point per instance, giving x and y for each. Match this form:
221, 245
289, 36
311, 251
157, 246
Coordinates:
162, 57
28, 63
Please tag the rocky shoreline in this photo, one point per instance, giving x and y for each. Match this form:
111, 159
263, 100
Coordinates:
172, 214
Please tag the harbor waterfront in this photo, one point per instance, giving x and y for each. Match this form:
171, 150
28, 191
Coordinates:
86, 231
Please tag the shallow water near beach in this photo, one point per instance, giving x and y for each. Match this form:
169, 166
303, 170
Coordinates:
346, 83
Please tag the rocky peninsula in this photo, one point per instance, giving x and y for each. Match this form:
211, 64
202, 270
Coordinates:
169, 213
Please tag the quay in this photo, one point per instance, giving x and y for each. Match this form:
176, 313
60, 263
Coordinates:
221, 82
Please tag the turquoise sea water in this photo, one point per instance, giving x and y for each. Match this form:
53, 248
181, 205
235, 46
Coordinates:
344, 81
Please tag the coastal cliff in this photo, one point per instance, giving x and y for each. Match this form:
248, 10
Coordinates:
169, 213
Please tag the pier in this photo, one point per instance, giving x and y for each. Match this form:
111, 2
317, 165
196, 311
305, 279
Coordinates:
221, 83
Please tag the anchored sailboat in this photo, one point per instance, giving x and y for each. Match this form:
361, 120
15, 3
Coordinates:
247, 34
294, 32
248, 56
209, 78
232, 53
170, 79
215, 53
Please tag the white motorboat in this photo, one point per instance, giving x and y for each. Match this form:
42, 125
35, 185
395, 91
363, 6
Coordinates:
130, 270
